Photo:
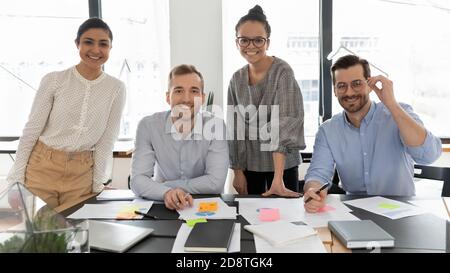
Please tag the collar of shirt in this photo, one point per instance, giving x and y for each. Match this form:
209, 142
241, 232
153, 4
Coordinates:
197, 131
86, 81
367, 119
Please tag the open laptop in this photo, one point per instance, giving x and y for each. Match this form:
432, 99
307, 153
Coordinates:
114, 237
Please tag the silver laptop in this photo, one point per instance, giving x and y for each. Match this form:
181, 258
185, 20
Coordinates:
115, 237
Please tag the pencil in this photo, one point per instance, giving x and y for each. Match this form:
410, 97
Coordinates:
446, 207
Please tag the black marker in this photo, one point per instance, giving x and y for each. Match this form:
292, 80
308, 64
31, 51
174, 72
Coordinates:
146, 215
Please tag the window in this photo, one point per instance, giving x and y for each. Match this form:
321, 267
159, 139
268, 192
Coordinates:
38, 37
140, 56
294, 38
412, 50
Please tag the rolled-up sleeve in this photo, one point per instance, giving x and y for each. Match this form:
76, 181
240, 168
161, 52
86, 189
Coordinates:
289, 135
430, 150
236, 142
142, 166
321, 168
103, 153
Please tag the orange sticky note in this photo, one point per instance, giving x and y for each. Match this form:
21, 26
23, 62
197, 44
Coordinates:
127, 212
126, 215
269, 215
207, 206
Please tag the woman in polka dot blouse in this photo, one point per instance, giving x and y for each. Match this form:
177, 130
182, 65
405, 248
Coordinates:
73, 124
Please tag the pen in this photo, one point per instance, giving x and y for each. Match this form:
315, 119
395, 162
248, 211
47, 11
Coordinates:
446, 207
185, 198
318, 191
146, 215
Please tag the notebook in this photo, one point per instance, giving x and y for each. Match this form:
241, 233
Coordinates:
361, 234
212, 236
115, 237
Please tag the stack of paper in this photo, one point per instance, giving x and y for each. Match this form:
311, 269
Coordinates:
386, 207
311, 244
119, 210
185, 230
280, 233
208, 208
117, 195
284, 237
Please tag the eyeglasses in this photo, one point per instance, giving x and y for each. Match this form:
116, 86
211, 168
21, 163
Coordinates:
356, 85
245, 42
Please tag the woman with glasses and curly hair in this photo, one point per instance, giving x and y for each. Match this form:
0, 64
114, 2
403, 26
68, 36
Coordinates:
264, 83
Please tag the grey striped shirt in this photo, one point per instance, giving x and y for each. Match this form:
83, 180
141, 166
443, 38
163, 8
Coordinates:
278, 88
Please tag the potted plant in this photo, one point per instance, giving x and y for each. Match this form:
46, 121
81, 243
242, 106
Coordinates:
29, 225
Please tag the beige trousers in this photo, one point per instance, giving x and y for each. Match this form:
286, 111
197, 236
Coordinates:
59, 178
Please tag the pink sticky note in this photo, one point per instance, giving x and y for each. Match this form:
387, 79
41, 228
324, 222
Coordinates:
269, 215
326, 208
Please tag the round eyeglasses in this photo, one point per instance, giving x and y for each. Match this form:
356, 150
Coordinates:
356, 85
245, 41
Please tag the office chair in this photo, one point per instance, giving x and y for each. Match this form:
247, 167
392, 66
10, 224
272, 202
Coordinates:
435, 173
335, 188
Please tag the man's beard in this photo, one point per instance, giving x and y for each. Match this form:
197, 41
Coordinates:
356, 106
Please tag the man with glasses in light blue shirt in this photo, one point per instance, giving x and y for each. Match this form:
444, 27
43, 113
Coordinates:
181, 151
372, 145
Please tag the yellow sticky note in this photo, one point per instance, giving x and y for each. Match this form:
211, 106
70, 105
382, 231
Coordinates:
192, 222
207, 207
388, 206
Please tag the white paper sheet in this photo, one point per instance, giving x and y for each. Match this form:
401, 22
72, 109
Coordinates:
335, 202
386, 207
311, 244
435, 207
321, 219
292, 210
185, 230
116, 195
280, 233
110, 210
223, 210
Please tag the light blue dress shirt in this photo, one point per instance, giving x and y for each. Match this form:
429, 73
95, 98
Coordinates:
372, 159
162, 160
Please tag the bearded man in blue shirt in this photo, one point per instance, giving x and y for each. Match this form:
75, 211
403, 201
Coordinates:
372, 145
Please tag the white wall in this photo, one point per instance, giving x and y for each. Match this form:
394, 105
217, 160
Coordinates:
196, 38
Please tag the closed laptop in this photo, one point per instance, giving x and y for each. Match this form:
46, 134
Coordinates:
361, 234
115, 237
